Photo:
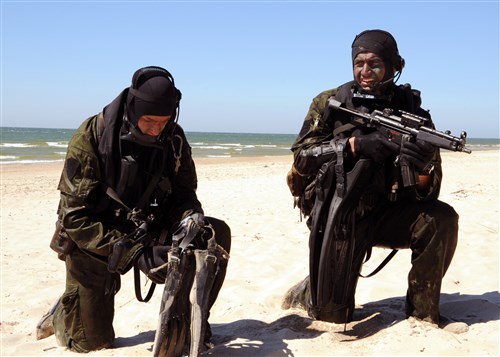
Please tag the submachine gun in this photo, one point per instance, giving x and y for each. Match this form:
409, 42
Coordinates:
405, 127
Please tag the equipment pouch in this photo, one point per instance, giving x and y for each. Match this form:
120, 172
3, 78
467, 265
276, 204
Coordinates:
60, 242
298, 183
303, 189
294, 182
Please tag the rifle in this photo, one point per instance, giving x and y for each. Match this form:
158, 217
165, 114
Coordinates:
405, 127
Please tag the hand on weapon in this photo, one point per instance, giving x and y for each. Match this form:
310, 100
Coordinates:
374, 146
419, 154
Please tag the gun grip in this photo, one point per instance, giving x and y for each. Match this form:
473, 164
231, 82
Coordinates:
408, 174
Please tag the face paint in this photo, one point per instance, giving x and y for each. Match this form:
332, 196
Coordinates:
368, 70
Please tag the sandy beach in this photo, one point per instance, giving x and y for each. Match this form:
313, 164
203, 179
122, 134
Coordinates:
269, 254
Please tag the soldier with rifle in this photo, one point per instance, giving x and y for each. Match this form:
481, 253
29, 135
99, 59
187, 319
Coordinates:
128, 184
367, 173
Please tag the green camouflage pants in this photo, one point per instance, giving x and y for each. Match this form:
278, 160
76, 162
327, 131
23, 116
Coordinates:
84, 320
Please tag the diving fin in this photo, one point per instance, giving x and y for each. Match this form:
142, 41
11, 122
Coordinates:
206, 271
174, 319
185, 303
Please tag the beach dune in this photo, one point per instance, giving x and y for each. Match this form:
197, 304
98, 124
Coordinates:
269, 254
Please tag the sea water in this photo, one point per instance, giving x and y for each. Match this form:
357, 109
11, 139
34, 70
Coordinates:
36, 145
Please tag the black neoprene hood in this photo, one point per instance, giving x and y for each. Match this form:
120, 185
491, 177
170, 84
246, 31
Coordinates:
152, 93
381, 43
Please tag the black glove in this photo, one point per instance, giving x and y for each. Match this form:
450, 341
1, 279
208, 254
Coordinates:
419, 153
374, 146
153, 257
191, 231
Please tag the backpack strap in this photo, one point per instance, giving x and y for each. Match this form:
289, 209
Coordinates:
339, 146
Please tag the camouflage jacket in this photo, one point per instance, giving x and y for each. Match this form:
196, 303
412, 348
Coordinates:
89, 216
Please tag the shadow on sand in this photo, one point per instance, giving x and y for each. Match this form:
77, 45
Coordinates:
470, 309
251, 337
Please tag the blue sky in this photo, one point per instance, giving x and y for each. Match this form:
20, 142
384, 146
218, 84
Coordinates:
242, 66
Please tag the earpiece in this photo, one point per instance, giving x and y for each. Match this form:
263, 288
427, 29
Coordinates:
401, 64
178, 95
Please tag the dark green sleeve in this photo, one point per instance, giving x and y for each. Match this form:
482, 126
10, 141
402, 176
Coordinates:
315, 131
80, 188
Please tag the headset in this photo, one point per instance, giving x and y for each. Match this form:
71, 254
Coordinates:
146, 73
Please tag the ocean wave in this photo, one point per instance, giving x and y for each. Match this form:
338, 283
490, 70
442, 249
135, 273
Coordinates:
213, 147
17, 145
232, 144
57, 144
233, 147
203, 143
29, 162
7, 157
